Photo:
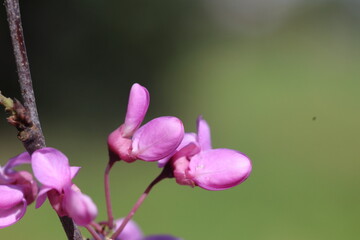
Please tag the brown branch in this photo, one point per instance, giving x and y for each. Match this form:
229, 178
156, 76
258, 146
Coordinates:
26, 119
22, 64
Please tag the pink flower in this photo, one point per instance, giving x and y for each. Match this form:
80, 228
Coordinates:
133, 232
51, 167
17, 190
195, 163
155, 140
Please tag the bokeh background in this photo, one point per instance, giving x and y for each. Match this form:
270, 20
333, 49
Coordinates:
275, 79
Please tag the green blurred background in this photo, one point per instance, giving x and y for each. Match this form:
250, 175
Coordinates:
276, 79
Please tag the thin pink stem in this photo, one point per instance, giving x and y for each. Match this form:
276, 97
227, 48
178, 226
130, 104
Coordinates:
110, 222
97, 227
93, 232
141, 199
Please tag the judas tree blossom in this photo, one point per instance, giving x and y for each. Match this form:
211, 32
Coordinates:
17, 190
133, 232
195, 163
153, 141
51, 167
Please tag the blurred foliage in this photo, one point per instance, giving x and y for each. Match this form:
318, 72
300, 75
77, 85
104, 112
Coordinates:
286, 94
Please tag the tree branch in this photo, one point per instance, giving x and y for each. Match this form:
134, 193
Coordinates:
22, 64
30, 132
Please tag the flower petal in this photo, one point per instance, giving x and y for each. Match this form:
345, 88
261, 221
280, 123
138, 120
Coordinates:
158, 138
203, 135
219, 169
51, 168
20, 159
181, 166
25, 181
119, 146
74, 170
11, 215
4, 178
42, 196
79, 206
10, 197
188, 138
139, 100
131, 231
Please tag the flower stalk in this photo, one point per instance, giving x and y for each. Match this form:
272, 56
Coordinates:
110, 221
93, 232
164, 174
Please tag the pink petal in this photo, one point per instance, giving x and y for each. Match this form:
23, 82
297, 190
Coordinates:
219, 169
25, 181
188, 138
56, 200
158, 138
131, 231
42, 196
10, 197
181, 166
187, 151
74, 171
51, 168
11, 215
80, 207
139, 100
119, 146
204, 136
4, 178
20, 159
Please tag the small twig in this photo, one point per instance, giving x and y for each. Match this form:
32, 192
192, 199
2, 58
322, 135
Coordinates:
33, 138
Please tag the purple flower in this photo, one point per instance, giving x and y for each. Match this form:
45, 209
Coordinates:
51, 167
133, 232
155, 140
17, 190
195, 163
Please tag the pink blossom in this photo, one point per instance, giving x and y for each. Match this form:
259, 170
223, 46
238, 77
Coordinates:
17, 190
153, 141
195, 163
51, 167
133, 232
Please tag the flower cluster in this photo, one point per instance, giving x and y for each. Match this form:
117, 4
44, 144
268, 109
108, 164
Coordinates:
51, 168
187, 157
190, 155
